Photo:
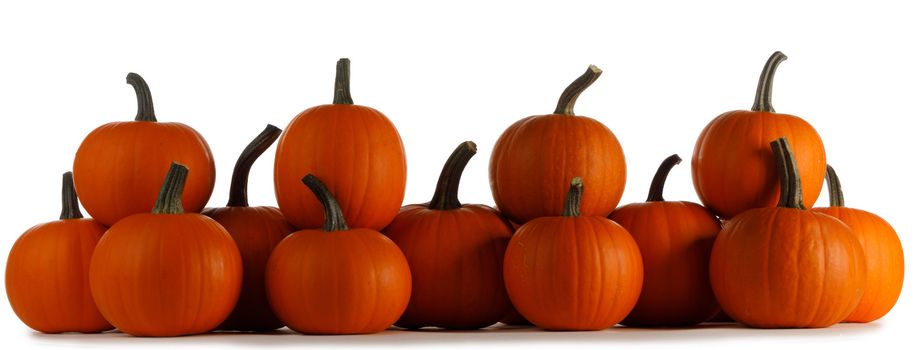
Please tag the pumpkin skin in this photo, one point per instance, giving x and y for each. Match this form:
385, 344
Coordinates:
536, 156
119, 167
885, 260
355, 148
47, 272
732, 167
573, 272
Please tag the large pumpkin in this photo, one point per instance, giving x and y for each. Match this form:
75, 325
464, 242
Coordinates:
456, 254
732, 167
537, 155
47, 272
355, 148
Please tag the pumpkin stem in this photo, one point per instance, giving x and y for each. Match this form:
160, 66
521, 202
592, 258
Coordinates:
144, 98
70, 208
836, 197
343, 83
238, 195
659, 179
791, 192
169, 200
574, 194
446, 196
334, 216
569, 96
763, 91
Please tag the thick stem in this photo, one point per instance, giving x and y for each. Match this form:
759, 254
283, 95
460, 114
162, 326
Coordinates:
659, 179
169, 200
334, 216
569, 96
144, 98
791, 192
70, 205
238, 195
763, 91
836, 197
343, 83
574, 194
446, 196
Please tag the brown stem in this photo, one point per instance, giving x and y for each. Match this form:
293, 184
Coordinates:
836, 196
791, 193
169, 200
334, 216
763, 91
659, 179
569, 96
144, 98
343, 83
446, 196
238, 195
574, 194
70, 208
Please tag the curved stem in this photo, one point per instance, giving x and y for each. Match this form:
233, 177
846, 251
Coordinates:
791, 193
334, 216
446, 196
763, 91
836, 197
659, 179
144, 98
238, 195
569, 96
70, 205
169, 200
574, 194
343, 83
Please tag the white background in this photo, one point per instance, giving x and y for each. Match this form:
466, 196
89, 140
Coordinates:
465, 71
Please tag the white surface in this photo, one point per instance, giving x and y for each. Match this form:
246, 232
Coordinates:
465, 71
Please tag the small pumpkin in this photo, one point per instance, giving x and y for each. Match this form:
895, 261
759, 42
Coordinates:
455, 252
787, 267
119, 166
885, 261
675, 239
166, 273
573, 272
537, 155
256, 230
47, 274
732, 167
355, 148
337, 280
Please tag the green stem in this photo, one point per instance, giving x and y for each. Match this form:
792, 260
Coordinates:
446, 196
334, 216
836, 196
574, 194
569, 96
70, 208
343, 83
791, 192
169, 200
763, 91
144, 98
238, 195
659, 179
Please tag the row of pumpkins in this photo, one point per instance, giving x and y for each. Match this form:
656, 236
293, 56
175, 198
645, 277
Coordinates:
150, 265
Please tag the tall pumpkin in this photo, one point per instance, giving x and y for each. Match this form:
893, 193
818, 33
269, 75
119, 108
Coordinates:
356, 149
537, 155
732, 167
119, 167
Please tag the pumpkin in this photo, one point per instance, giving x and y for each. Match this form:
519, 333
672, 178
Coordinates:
882, 252
787, 267
537, 155
47, 275
732, 167
573, 272
355, 148
119, 166
675, 239
256, 231
455, 252
166, 273
337, 280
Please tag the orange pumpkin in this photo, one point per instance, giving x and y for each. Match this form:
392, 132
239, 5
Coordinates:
787, 267
732, 167
337, 280
456, 255
885, 261
256, 231
47, 275
355, 148
119, 166
536, 156
573, 272
166, 273
675, 239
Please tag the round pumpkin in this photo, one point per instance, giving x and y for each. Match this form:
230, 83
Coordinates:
119, 166
166, 273
355, 148
573, 272
787, 267
337, 280
885, 261
537, 155
675, 239
47, 272
732, 167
